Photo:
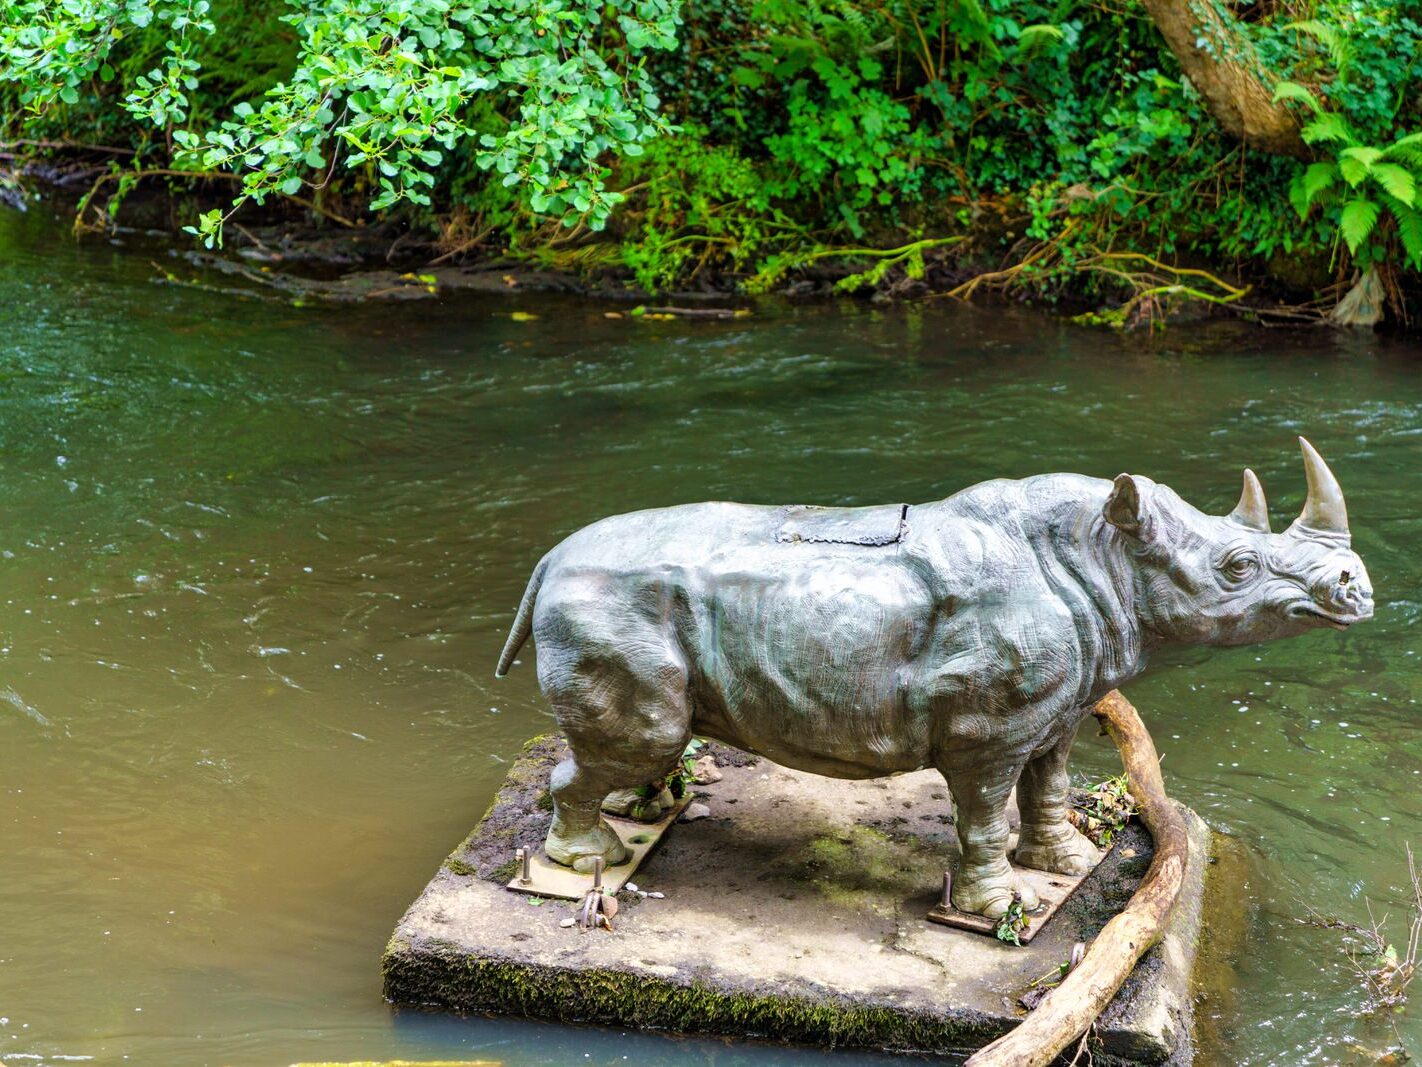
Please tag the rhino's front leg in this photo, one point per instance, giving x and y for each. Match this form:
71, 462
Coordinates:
984, 882
1048, 841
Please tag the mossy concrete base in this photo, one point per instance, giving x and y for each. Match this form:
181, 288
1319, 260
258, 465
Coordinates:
794, 912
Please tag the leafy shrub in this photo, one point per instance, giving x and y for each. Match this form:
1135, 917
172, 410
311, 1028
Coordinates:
385, 85
700, 205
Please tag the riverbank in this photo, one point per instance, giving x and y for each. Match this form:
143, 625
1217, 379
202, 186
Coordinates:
287, 252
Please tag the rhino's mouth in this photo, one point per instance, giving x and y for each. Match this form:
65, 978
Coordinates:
1335, 620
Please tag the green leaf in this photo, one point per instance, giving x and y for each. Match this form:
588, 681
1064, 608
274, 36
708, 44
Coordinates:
1039, 36
1409, 230
1295, 91
747, 76
1340, 48
1357, 221
1364, 155
1353, 170
291, 187
1328, 127
1409, 147
1318, 177
1298, 196
1398, 181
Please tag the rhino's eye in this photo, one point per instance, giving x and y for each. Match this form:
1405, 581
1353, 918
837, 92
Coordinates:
1240, 566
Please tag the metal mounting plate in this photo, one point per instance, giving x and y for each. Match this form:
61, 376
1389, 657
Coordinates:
1053, 889
549, 879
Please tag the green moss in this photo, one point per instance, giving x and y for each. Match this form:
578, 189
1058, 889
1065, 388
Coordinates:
863, 867
503, 872
497, 833
436, 975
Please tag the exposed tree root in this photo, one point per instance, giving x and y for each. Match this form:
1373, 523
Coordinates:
1153, 284
1068, 1011
909, 256
1045, 255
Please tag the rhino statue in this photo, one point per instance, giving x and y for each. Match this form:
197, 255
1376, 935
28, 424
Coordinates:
971, 635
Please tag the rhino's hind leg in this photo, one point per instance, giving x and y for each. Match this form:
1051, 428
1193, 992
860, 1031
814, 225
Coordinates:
626, 715
984, 882
579, 834
1048, 841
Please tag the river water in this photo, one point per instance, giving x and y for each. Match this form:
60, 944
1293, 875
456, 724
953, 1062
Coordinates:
258, 562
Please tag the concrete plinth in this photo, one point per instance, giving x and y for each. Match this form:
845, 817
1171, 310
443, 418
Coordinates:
794, 912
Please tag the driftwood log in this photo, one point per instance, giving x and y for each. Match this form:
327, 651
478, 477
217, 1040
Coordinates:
1066, 1013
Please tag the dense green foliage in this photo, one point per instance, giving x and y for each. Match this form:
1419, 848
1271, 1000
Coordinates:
390, 85
749, 137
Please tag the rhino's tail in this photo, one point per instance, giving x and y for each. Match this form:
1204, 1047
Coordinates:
523, 621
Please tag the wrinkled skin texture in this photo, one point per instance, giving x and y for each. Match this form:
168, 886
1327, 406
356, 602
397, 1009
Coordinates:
974, 644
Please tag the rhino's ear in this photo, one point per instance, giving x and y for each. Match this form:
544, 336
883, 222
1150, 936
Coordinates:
1123, 507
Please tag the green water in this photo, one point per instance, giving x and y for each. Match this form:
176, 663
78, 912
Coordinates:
258, 562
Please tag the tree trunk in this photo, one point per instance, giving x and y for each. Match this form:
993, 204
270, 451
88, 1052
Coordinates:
1235, 93
1069, 1010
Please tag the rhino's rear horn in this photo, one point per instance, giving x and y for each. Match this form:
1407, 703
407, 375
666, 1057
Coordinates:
1324, 510
1252, 510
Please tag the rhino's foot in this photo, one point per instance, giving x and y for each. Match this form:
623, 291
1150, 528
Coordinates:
579, 850
646, 804
992, 893
1063, 850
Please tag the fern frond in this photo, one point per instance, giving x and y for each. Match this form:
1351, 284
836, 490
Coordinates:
1317, 178
1295, 91
1398, 181
1409, 148
1409, 230
1337, 43
1353, 170
1039, 36
1364, 154
1328, 127
1357, 222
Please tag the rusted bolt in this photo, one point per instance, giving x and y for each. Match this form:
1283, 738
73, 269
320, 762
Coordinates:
947, 889
525, 866
597, 872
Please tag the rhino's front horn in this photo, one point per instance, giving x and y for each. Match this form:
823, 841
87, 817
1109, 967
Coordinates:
1252, 510
1324, 510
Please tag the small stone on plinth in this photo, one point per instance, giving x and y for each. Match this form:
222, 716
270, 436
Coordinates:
794, 911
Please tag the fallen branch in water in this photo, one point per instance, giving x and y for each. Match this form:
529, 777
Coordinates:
1067, 1012
1384, 970
697, 313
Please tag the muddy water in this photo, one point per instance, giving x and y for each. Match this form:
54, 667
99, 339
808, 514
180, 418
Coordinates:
258, 562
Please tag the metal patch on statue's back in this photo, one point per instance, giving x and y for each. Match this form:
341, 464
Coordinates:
882, 524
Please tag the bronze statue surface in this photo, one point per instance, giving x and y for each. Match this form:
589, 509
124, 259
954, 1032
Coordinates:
970, 635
